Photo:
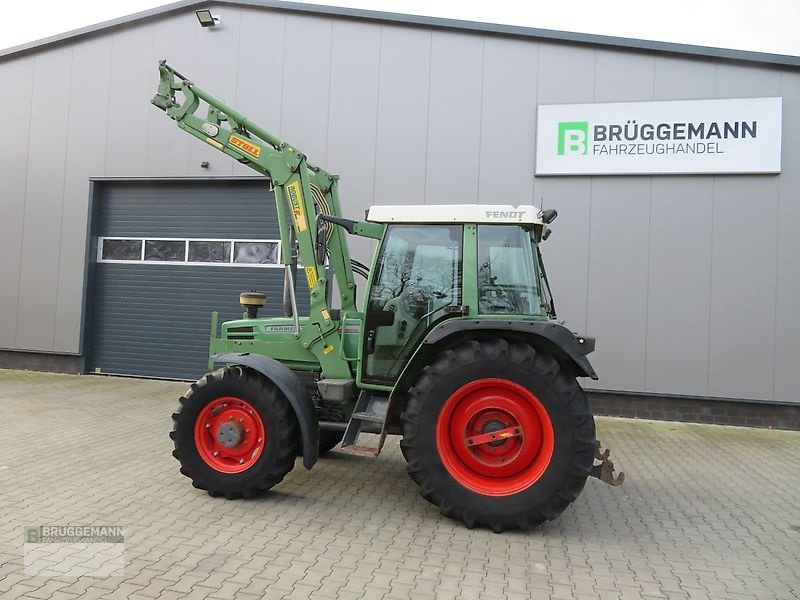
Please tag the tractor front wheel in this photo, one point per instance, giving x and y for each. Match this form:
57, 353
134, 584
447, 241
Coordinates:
497, 434
235, 433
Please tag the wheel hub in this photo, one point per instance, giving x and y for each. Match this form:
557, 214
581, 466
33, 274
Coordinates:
230, 434
491, 426
494, 437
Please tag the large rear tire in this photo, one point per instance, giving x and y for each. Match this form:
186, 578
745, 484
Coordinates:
498, 434
235, 433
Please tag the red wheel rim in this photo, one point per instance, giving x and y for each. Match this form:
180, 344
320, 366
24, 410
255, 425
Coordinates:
229, 435
494, 437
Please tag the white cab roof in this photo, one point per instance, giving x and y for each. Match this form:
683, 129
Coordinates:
455, 213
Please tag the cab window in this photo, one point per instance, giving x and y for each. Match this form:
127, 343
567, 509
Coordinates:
508, 280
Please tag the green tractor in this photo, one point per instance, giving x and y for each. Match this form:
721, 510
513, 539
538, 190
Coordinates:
456, 348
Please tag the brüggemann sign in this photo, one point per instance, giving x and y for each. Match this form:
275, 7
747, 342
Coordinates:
685, 136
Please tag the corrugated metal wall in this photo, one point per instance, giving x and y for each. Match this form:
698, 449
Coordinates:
689, 283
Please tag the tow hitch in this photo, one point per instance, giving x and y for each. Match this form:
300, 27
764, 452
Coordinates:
605, 470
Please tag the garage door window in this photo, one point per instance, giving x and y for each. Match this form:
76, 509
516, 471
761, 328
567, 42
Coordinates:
203, 251
165, 250
120, 250
238, 253
258, 253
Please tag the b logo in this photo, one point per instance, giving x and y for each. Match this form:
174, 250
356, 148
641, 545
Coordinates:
572, 137
31, 534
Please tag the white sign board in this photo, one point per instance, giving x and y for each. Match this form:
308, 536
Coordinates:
685, 136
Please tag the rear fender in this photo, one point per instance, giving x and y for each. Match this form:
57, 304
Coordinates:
565, 345
294, 390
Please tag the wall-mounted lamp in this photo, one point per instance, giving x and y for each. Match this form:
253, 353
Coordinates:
206, 18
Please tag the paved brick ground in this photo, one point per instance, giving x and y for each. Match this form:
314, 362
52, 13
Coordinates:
707, 512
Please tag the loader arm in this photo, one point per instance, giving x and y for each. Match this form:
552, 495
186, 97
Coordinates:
302, 191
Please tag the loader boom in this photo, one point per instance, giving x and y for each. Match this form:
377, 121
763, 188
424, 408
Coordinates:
302, 192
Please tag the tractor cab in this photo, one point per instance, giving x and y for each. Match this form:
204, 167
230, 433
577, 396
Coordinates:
440, 262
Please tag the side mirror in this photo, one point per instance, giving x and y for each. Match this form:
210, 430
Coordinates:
548, 216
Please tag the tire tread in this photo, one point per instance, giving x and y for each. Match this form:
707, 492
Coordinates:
542, 365
283, 451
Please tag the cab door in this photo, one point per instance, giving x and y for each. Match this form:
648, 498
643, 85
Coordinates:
417, 276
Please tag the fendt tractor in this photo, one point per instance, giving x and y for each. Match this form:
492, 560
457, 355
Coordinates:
457, 348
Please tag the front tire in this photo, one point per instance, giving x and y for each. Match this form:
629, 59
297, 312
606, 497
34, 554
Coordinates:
235, 433
498, 434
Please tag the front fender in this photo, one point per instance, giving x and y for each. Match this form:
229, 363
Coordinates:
292, 388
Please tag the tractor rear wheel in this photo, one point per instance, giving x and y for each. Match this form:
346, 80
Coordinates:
235, 433
498, 434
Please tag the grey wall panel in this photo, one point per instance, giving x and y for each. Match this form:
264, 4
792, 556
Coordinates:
619, 240
505, 174
623, 77
742, 316
167, 148
566, 253
16, 75
454, 119
742, 348
260, 71
566, 74
90, 94
679, 285
618, 278
41, 241
737, 81
353, 112
681, 79
217, 51
787, 306
680, 253
402, 135
133, 83
306, 85
352, 123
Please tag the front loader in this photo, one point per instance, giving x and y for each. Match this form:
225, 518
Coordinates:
456, 348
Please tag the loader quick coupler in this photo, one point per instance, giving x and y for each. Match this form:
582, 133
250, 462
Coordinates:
605, 470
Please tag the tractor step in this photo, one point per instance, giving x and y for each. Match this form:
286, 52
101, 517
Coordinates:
368, 416
371, 408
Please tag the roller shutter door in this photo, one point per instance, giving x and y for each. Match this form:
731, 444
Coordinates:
163, 256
